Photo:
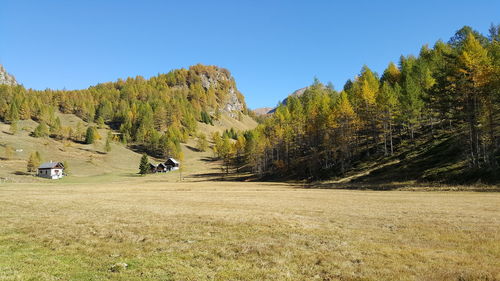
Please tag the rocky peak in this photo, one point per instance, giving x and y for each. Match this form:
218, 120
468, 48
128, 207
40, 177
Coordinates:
219, 77
6, 78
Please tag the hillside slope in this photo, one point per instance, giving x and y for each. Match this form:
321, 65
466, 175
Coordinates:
84, 160
430, 160
162, 116
90, 162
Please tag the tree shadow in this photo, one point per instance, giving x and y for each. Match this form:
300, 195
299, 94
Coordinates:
208, 159
93, 151
193, 148
21, 173
215, 177
132, 175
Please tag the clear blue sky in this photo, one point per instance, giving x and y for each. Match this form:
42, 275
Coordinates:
271, 47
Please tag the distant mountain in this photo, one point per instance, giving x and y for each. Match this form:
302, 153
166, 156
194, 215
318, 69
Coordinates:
296, 93
262, 110
6, 78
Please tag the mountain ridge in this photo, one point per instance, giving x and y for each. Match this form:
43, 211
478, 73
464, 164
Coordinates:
261, 111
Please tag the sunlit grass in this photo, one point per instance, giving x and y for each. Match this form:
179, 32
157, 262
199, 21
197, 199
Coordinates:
244, 231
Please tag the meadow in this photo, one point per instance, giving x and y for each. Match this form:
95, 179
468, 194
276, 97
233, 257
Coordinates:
156, 228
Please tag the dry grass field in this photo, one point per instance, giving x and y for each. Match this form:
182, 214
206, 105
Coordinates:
243, 231
88, 225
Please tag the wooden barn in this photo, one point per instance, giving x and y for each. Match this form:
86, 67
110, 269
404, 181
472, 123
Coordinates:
152, 168
161, 168
172, 164
51, 170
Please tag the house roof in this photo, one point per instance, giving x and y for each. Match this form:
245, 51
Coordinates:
50, 165
162, 164
173, 160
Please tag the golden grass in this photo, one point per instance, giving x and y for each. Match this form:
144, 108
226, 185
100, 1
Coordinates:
244, 231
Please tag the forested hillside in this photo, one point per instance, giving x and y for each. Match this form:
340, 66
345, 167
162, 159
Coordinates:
435, 116
443, 103
153, 115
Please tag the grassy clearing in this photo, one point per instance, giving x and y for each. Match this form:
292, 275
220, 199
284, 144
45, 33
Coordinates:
244, 231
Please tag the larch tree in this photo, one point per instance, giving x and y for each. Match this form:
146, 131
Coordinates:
33, 162
387, 101
475, 71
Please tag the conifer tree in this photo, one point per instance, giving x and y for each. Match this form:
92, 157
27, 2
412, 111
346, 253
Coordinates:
387, 101
41, 130
13, 127
13, 114
24, 110
201, 142
33, 162
475, 69
79, 131
392, 74
144, 165
90, 135
56, 129
347, 123
225, 151
107, 146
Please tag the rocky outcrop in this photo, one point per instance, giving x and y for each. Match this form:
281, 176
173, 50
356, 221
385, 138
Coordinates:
6, 78
233, 103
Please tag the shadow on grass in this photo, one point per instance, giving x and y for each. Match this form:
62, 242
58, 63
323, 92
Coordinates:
92, 151
208, 159
21, 173
193, 148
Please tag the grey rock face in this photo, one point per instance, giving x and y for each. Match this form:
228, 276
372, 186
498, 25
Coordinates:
232, 105
6, 78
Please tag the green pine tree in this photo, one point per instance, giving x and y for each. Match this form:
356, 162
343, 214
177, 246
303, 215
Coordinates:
144, 165
42, 130
90, 135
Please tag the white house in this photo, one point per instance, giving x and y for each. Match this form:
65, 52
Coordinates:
51, 170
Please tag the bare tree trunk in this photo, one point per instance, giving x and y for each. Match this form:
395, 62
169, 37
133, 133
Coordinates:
385, 138
390, 136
